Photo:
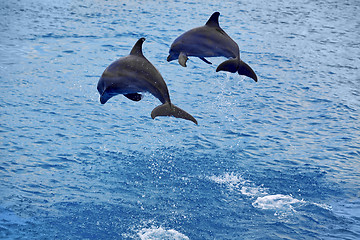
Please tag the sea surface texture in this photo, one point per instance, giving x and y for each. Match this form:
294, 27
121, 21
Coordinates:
273, 159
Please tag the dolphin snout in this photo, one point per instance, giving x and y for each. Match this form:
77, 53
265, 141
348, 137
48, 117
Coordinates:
104, 97
103, 100
172, 57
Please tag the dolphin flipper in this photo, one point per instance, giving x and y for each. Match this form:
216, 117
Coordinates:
182, 59
169, 109
202, 58
134, 96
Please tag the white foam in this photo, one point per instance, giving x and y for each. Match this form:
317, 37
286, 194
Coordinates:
261, 198
276, 202
236, 182
159, 233
324, 206
231, 179
251, 191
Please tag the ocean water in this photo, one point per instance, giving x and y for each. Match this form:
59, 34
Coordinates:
276, 159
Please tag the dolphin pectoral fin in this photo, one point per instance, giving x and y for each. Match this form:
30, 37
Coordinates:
246, 70
202, 58
168, 109
134, 96
182, 59
230, 65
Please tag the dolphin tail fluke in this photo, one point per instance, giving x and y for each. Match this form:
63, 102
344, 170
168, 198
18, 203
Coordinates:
169, 109
235, 65
246, 70
230, 65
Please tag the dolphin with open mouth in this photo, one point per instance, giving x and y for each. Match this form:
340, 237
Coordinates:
134, 74
210, 40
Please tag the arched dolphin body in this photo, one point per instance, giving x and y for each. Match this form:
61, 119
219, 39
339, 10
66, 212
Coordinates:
210, 40
133, 74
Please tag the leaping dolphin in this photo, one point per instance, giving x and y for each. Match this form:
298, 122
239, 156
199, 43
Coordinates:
133, 74
210, 40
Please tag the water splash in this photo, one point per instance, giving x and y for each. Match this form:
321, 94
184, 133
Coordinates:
159, 233
259, 195
276, 202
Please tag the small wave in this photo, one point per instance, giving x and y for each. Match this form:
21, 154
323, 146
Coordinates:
276, 202
57, 36
323, 206
10, 218
160, 233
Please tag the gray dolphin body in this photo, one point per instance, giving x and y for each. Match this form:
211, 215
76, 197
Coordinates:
210, 40
133, 74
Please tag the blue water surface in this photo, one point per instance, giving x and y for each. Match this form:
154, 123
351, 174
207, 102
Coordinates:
276, 159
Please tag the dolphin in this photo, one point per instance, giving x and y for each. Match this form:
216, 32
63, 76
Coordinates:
210, 40
133, 74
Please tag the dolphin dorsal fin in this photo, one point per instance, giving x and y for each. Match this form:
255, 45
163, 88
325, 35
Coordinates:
137, 49
213, 20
